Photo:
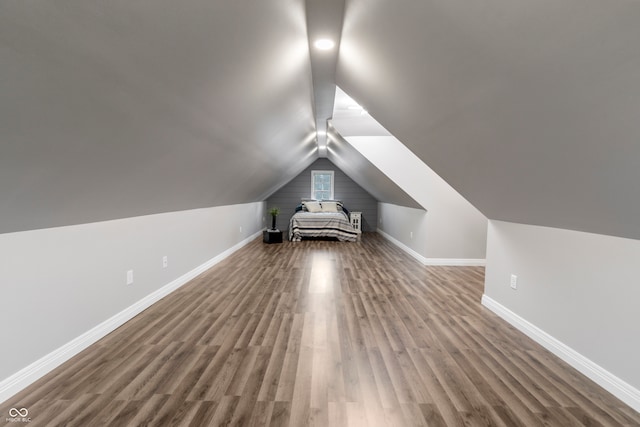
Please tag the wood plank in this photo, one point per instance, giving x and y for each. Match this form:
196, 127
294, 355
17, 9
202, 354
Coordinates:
321, 333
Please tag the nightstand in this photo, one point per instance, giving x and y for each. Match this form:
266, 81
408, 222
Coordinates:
272, 236
356, 220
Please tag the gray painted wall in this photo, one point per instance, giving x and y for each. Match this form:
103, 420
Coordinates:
580, 288
58, 283
355, 198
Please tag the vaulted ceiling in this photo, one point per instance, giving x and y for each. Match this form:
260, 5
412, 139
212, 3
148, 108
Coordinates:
115, 109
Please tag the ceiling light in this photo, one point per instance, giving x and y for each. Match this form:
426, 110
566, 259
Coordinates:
324, 44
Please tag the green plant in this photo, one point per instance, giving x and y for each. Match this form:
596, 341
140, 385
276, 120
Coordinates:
274, 211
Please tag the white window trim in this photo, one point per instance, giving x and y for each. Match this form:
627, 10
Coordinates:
313, 178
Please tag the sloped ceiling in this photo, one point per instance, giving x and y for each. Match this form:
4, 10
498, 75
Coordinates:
529, 109
115, 109
365, 174
118, 109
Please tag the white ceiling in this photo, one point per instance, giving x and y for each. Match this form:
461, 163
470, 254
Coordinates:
364, 173
353, 119
324, 21
114, 109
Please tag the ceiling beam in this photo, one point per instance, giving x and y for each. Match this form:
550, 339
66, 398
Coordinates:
324, 21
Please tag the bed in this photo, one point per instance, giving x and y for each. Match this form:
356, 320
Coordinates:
313, 220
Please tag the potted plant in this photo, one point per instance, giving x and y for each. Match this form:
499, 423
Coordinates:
274, 213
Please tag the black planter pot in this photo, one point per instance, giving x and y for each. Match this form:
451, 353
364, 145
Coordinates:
273, 222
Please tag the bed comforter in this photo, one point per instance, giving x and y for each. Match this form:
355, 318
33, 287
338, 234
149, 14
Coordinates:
321, 224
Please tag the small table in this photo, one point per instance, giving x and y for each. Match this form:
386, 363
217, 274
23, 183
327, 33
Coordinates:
356, 220
272, 236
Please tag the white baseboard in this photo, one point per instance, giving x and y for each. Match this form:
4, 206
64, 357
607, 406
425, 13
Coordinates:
407, 249
433, 261
460, 262
28, 375
614, 385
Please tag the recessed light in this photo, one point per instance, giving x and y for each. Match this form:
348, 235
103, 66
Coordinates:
324, 44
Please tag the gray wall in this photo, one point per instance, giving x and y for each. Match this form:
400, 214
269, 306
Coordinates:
355, 198
580, 288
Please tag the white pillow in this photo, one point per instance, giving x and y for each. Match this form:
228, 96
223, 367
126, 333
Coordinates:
329, 207
313, 207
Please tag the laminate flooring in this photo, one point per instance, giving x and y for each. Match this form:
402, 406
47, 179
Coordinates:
320, 333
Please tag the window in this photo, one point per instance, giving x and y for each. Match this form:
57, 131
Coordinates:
322, 185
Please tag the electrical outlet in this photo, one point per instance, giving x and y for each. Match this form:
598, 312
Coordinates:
165, 261
129, 277
411, 235
241, 229
514, 281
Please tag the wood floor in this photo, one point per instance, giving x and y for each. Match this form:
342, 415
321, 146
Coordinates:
320, 333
